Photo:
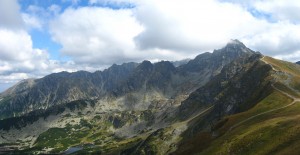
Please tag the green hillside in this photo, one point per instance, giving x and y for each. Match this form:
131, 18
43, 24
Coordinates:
272, 126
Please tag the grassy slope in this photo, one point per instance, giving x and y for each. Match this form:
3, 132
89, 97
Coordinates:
276, 132
262, 134
292, 69
284, 66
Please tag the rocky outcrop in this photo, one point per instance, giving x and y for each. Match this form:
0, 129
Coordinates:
239, 86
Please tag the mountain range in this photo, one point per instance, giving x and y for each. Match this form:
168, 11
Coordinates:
230, 101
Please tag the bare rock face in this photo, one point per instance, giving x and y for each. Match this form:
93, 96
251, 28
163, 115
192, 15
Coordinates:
240, 84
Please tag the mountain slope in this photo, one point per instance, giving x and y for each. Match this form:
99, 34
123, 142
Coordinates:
231, 101
58, 88
240, 86
235, 89
270, 127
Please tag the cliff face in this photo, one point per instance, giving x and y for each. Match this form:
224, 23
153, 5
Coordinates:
240, 85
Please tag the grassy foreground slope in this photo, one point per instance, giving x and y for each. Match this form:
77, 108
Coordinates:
272, 126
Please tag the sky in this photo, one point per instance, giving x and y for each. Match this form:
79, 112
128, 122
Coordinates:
40, 37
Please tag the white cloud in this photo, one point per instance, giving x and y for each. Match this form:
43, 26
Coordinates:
32, 21
103, 36
193, 26
167, 30
96, 35
280, 9
9, 14
36, 17
17, 54
13, 77
294, 56
13, 43
197, 26
18, 58
277, 39
106, 36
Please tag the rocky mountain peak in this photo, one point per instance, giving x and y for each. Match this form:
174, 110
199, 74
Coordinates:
235, 47
235, 42
164, 66
218, 58
146, 63
145, 66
